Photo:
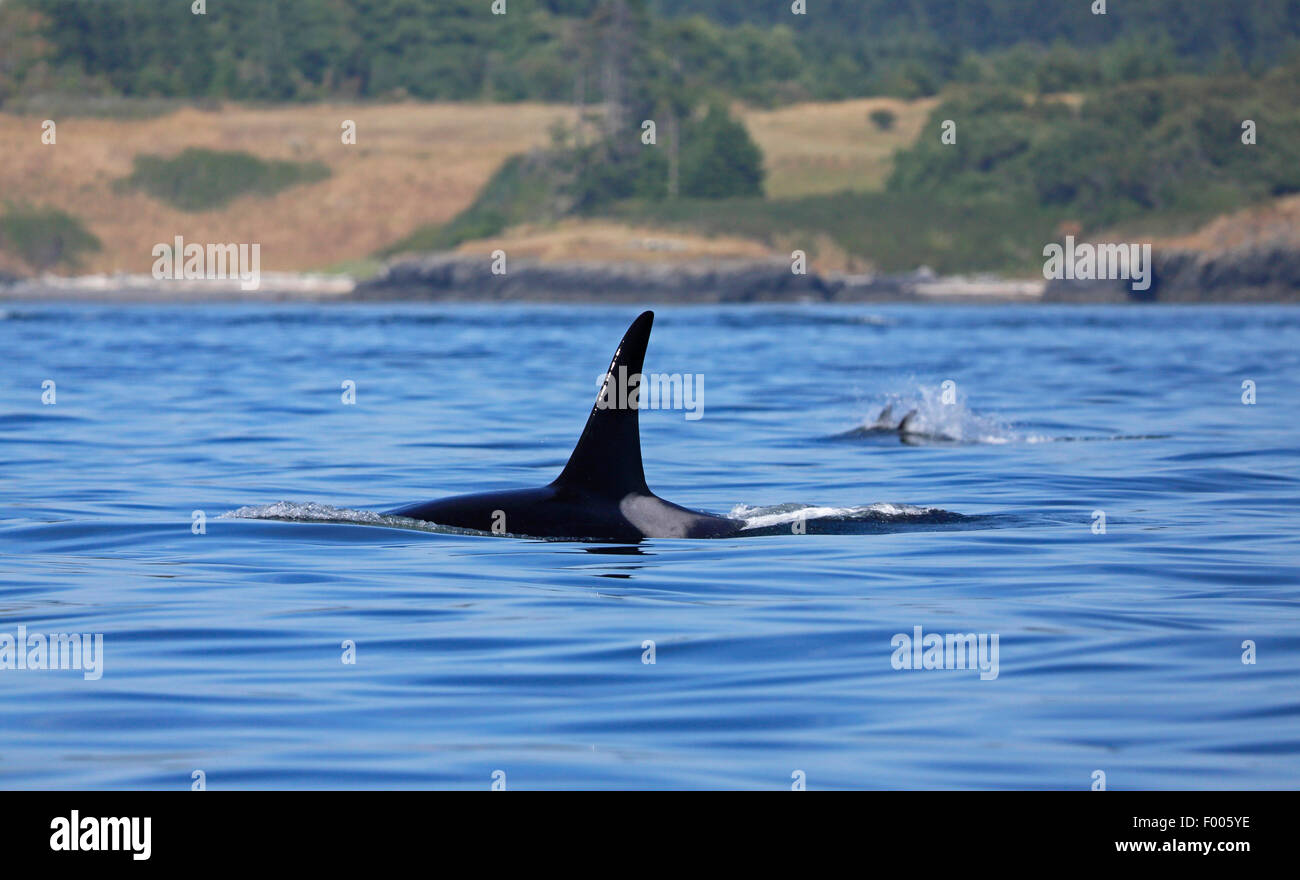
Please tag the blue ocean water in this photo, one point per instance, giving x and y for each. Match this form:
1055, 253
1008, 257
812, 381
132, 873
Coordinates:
774, 655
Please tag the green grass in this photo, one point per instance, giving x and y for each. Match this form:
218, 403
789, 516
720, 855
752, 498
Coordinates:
63, 105
201, 180
44, 237
521, 191
360, 268
896, 232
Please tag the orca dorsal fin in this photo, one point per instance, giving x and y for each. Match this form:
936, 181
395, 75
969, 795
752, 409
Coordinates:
607, 459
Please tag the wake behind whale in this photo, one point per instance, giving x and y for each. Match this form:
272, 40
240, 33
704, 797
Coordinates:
925, 417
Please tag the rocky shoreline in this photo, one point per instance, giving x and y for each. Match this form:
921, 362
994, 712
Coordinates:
1256, 275
1178, 276
457, 277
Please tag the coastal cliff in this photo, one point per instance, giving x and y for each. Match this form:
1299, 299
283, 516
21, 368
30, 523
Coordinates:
1270, 274
462, 277
1252, 274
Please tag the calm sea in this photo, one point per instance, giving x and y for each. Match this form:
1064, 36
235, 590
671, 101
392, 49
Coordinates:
1087, 491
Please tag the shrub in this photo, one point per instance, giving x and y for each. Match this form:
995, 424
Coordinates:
883, 119
44, 237
201, 180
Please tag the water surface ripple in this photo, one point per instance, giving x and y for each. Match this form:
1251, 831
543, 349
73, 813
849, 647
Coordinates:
1119, 652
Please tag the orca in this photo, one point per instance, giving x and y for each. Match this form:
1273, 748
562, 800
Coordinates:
908, 429
601, 494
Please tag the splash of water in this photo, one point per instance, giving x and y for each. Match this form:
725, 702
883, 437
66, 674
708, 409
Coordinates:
946, 418
925, 415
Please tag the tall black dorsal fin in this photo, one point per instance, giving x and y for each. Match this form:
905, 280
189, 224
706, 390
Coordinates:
607, 459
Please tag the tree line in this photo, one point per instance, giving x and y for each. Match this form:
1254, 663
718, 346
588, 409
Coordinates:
294, 50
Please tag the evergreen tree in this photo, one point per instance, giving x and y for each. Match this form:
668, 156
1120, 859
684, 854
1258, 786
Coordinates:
720, 159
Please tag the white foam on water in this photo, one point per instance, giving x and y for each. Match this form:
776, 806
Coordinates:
947, 422
310, 511
783, 514
937, 422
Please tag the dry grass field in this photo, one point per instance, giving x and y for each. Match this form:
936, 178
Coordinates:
1275, 224
819, 148
413, 164
603, 241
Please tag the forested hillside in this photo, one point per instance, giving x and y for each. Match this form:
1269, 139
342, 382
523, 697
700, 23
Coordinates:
548, 49
1064, 118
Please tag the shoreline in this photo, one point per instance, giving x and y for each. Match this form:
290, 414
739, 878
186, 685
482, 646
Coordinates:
1271, 277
